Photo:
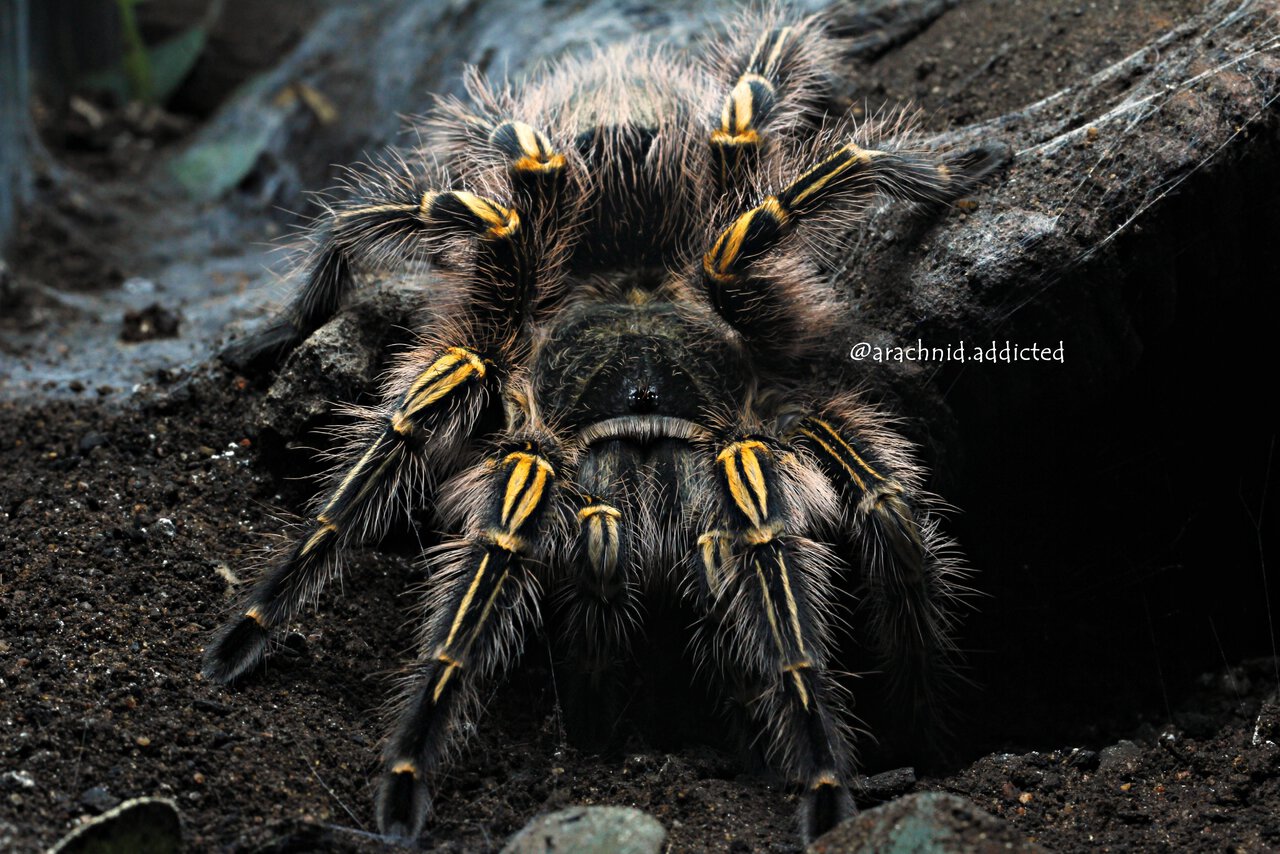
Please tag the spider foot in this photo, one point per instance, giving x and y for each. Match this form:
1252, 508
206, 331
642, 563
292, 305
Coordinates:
826, 804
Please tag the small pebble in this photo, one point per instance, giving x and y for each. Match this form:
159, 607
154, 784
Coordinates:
98, 799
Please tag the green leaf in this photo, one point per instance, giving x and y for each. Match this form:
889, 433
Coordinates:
169, 63
210, 168
173, 59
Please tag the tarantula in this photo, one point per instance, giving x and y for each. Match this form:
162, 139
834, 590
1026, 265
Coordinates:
607, 404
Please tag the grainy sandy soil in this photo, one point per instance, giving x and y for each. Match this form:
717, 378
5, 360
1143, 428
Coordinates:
125, 521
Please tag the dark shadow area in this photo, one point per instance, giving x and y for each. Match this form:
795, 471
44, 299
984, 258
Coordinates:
1120, 530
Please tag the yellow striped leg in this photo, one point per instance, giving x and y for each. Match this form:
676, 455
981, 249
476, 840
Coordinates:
752, 304
774, 76
427, 422
779, 634
397, 219
911, 582
479, 603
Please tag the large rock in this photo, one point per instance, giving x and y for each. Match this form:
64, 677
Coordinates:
590, 830
927, 823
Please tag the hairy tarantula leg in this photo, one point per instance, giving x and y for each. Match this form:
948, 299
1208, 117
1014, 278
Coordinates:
779, 631
598, 613
394, 229
432, 416
910, 577
536, 168
475, 625
747, 109
849, 172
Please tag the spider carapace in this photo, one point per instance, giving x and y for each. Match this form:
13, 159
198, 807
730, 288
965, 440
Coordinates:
613, 397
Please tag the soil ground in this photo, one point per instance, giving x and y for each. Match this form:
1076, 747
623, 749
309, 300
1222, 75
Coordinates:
127, 520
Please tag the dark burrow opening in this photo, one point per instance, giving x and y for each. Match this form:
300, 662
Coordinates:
1120, 527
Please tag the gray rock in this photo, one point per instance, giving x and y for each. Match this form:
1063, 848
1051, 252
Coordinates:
344, 357
98, 799
606, 830
927, 823
150, 825
889, 784
1119, 756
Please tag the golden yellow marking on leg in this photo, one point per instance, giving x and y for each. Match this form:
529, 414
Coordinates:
445, 658
532, 498
819, 183
848, 447
714, 548
743, 104
514, 515
465, 604
401, 424
715, 275
753, 502
392, 458
483, 209
404, 766
450, 370
755, 476
800, 689
515, 482
601, 521
527, 137
255, 613
442, 681
773, 206
826, 778
776, 54
730, 243
835, 456
471, 638
739, 493
351, 475
554, 163
352, 213
484, 613
507, 542
596, 509
317, 537
793, 609
761, 535
755, 52
768, 608
747, 137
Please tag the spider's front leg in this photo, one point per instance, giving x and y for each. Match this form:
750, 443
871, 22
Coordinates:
763, 298
434, 409
481, 599
770, 587
423, 427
